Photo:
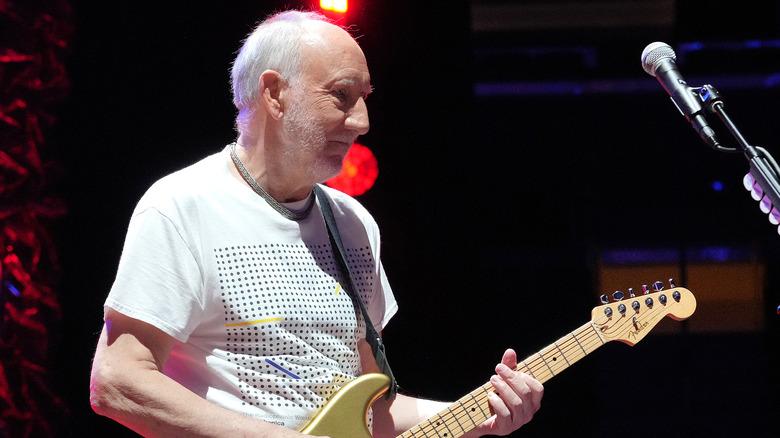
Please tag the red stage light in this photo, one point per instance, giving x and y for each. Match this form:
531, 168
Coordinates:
358, 173
334, 5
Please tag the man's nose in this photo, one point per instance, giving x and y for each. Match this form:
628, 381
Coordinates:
357, 118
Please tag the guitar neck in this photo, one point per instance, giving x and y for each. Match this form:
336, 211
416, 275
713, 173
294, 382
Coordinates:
473, 409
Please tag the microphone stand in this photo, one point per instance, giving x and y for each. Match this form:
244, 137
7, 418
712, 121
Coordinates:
763, 180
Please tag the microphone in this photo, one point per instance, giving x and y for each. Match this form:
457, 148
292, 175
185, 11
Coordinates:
659, 61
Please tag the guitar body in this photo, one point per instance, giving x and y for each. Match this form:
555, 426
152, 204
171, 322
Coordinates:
346, 411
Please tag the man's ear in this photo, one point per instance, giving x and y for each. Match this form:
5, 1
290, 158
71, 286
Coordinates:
271, 87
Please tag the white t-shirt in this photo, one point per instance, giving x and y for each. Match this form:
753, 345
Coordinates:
253, 299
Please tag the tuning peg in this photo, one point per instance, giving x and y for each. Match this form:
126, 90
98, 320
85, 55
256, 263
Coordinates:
658, 286
662, 299
618, 295
635, 305
645, 289
631, 292
671, 283
605, 299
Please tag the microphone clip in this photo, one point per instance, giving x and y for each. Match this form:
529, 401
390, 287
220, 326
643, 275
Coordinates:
711, 98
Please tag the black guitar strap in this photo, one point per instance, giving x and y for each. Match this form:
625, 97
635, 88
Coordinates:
373, 338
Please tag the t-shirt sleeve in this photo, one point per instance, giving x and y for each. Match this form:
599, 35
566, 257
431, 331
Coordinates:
384, 305
158, 280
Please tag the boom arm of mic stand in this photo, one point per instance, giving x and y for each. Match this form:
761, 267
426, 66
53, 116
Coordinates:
762, 165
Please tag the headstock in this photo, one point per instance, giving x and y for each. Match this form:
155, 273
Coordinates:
629, 318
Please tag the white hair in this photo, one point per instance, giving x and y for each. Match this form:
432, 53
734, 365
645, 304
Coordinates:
275, 44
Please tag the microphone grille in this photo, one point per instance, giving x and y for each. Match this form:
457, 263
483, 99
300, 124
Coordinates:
655, 52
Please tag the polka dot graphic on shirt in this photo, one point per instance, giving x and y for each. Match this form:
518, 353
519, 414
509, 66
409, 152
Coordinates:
290, 327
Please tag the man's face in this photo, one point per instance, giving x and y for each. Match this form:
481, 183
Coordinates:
325, 110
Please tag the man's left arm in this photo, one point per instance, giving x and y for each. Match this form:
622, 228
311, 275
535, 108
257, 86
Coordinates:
520, 397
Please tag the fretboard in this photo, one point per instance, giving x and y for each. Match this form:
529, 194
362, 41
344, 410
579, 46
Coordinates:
473, 409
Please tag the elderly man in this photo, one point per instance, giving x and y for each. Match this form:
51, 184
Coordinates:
227, 317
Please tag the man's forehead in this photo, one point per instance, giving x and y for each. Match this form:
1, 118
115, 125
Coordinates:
332, 51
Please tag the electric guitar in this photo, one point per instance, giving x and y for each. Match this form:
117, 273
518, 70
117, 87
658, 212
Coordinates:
628, 321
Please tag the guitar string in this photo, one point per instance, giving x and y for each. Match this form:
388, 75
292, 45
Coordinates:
588, 340
582, 336
538, 368
488, 387
583, 340
462, 413
650, 314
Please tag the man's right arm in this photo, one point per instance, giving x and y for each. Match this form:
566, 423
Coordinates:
127, 384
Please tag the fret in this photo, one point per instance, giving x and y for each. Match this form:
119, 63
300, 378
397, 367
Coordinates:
578, 343
455, 417
545, 362
551, 356
542, 366
529, 369
465, 409
562, 355
444, 423
571, 353
410, 433
480, 415
471, 394
432, 426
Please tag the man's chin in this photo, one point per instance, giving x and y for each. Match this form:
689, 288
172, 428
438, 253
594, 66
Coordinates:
340, 146
329, 168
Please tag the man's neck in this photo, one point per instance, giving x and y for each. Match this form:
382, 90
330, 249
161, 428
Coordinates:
278, 183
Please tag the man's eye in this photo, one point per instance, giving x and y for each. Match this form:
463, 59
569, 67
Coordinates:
341, 94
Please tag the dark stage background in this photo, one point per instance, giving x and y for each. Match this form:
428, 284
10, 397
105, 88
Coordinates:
495, 208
